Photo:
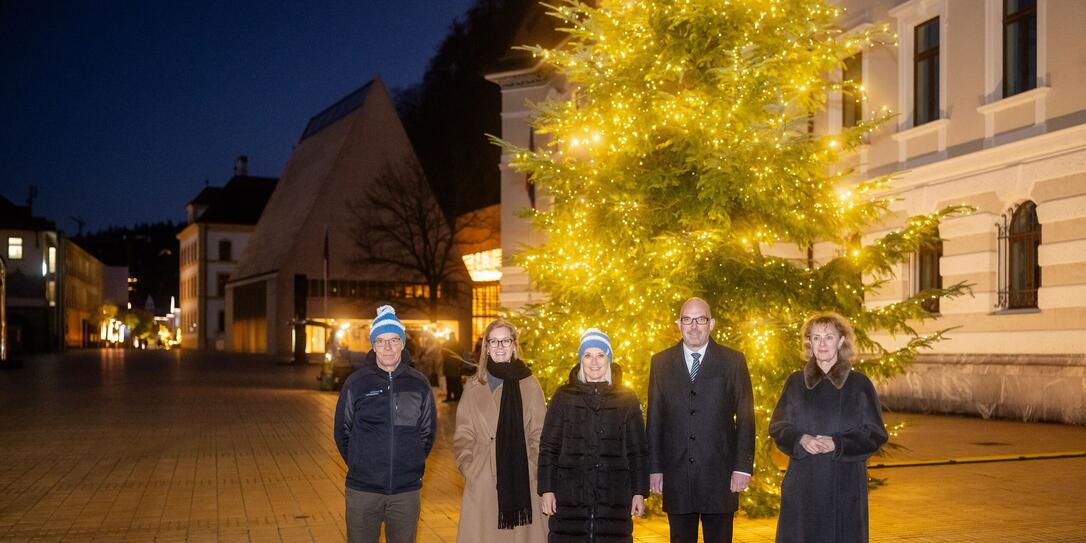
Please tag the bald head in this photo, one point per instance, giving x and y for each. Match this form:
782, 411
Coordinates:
696, 303
695, 322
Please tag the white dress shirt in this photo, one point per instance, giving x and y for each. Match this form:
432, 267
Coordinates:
690, 360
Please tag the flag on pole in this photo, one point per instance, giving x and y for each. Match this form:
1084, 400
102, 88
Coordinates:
326, 252
327, 259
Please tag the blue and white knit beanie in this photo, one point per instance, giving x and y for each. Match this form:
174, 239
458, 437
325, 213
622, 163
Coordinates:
385, 323
593, 337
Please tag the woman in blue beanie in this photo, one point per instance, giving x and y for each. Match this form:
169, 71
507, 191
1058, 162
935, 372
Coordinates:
593, 454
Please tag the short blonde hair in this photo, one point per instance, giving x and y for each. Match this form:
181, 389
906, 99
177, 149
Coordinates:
838, 323
484, 353
581, 376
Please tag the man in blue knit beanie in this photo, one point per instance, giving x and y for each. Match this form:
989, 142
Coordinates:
386, 420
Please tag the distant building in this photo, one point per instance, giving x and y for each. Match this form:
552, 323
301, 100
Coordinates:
478, 236
280, 277
523, 80
991, 114
115, 285
29, 248
220, 222
81, 279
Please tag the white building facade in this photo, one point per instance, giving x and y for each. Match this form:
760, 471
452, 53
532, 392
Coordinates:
992, 114
220, 221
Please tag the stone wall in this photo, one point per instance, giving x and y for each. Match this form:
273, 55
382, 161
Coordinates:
1028, 387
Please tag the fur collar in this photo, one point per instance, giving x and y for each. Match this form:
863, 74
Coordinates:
812, 374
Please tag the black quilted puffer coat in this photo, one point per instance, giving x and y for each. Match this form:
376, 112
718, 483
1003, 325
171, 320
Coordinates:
593, 455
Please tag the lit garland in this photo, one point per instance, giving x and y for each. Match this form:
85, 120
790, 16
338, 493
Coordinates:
683, 154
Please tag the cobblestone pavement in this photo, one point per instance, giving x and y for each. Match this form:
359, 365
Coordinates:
154, 446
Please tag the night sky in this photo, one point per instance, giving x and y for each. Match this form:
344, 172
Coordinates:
120, 111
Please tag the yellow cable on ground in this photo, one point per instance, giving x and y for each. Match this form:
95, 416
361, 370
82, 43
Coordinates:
978, 459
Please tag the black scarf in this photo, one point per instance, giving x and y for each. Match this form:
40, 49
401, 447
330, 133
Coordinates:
514, 491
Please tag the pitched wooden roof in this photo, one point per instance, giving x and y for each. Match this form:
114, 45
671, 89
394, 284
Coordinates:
341, 150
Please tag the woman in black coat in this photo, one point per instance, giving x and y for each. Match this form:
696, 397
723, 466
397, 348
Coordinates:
593, 454
828, 421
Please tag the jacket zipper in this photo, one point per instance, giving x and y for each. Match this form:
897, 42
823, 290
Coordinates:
391, 430
592, 523
595, 490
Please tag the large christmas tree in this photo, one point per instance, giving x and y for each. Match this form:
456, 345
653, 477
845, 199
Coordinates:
680, 166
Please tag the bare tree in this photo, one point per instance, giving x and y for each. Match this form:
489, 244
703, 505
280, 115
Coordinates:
399, 228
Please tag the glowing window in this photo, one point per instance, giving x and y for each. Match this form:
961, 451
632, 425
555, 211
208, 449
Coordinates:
15, 248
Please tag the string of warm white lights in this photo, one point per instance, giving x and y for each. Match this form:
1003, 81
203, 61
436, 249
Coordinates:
682, 158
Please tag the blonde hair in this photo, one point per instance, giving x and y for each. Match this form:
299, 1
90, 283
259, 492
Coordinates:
484, 352
581, 376
838, 323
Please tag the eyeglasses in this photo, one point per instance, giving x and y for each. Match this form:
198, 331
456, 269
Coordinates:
391, 342
504, 342
692, 320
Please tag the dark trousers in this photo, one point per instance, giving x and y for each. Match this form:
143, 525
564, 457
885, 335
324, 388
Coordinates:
454, 387
714, 528
366, 511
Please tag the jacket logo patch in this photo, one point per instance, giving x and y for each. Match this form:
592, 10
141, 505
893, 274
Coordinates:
375, 392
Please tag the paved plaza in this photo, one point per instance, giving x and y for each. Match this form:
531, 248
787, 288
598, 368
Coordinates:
176, 446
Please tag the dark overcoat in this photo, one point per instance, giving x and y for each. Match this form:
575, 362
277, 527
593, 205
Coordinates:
593, 455
824, 496
701, 431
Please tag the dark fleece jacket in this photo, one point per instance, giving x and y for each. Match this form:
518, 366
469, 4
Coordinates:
385, 425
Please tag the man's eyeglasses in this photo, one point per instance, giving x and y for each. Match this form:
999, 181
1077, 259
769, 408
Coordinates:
694, 320
504, 342
391, 342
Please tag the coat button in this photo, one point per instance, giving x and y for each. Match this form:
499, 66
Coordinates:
693, 393
691, 437
692, 411
598, 466
691, 460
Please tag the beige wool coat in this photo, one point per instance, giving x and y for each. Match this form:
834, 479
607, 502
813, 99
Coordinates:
473, 444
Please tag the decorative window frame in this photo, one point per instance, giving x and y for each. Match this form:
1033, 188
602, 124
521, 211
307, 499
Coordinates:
1004, 263
908, 15
912, 269
834, 112
835, 115
994, 101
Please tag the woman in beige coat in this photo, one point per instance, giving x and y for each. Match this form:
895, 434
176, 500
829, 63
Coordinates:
497, 445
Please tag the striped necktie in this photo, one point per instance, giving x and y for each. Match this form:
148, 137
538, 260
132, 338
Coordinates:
695, 367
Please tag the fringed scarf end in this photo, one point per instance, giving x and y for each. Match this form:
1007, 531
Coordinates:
507, 520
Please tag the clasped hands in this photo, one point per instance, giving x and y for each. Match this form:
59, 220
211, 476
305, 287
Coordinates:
817, 444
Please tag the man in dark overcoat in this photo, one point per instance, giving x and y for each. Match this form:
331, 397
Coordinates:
700, 429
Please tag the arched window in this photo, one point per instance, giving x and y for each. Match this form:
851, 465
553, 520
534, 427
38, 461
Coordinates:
928, 275
1023, 271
